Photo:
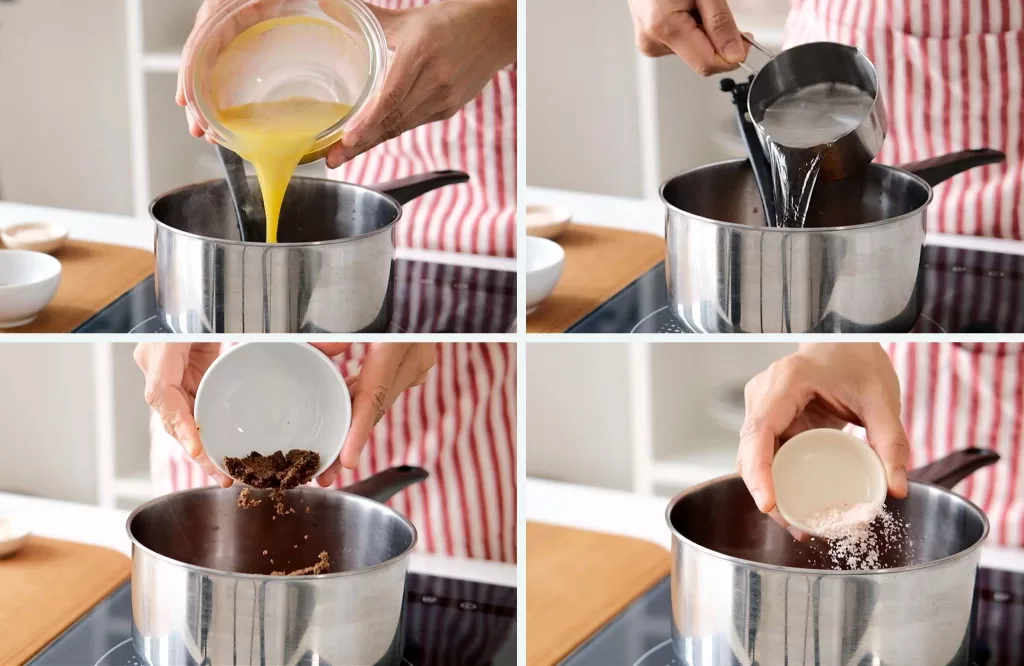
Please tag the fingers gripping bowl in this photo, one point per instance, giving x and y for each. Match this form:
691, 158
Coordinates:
202, 589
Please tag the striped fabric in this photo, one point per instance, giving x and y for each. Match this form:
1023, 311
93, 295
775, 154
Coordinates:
460, 426
952, 73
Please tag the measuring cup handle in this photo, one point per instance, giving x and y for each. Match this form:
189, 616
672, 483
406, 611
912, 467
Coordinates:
937, 169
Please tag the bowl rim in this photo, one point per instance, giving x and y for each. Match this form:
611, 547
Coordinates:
61, 230
842, 439
335, 371
542, 242
48, 259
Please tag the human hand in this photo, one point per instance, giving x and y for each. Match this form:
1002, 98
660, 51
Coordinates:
701, 32
444, 55
389, 369
822, 386
173, 372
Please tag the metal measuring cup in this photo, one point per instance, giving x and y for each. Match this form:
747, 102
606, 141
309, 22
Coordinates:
823, 62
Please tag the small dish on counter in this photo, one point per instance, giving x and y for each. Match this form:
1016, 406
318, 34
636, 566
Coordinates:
34, 236
544, 261
265, 397
547, 221
13, 535
28, 282
825, 470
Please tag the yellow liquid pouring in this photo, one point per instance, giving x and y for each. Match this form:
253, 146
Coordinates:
274, 137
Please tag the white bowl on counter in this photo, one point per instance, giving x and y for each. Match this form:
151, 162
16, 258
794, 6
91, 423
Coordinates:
35, 236
547, 221
28, 282
13, 535
544, 261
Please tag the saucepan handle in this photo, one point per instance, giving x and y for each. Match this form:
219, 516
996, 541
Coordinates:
937, 169
405, 190
954, 468
382, 486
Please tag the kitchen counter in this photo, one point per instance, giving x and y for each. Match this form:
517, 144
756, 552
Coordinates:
106, 527
649, 215
632, 515
138, 233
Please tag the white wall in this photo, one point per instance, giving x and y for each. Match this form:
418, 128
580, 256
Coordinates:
584, 127
577, 426
48, 399
64, 115
578, 398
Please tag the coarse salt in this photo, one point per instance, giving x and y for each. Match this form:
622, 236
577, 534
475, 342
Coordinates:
859, 534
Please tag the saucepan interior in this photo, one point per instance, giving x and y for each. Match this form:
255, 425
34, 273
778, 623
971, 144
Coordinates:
726, 192
205, 528
315, 210
720, 516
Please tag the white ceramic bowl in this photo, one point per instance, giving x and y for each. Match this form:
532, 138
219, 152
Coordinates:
547, 221
13, 535
544, 261
36, 236
28, 282
272, 396
824, 468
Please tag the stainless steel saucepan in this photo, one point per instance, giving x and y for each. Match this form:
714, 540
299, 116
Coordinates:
203, 593
745, 593
854, 267
331, 271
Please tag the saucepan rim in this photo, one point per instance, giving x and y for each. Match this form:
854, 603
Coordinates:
795, 230
348, 497
678, 537
225, 241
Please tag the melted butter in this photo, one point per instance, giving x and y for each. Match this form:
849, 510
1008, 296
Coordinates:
274, 137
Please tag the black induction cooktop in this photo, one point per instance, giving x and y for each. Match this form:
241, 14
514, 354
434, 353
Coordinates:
428, 298
448, 623
965, 291
640, 635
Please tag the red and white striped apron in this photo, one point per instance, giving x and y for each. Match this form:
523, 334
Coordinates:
460, 426
478, 217
951, 73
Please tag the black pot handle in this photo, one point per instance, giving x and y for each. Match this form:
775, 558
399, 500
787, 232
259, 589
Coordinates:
937, 169
405, 190
954, 468
382, 486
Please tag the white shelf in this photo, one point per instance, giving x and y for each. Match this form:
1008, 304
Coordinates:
135, 487
165, 63
696, 465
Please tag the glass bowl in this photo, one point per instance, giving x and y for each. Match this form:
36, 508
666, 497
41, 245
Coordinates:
258, 51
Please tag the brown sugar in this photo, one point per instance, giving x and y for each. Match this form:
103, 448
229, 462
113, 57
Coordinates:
322, 566
278, 470
246, 500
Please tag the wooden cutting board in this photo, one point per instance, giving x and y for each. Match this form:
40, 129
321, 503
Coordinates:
46, 586
93, 275
599, 263
576, 581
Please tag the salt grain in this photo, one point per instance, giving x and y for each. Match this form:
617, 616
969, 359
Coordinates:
859, 535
